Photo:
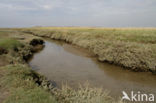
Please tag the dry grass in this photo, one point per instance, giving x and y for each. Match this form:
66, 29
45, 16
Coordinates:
84, 94
133, 48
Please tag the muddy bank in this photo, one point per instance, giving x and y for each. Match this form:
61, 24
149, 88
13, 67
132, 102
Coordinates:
130, 55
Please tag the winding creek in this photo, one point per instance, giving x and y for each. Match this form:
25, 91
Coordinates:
65, 63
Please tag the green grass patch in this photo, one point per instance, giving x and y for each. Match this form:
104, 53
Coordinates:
22, 88
9, 43
35, 95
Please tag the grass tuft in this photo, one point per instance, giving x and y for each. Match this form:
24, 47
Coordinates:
84, 94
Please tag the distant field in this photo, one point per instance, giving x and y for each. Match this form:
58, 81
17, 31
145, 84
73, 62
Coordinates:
133, 48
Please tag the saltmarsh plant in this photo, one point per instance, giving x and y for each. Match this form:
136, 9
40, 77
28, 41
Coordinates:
84, 94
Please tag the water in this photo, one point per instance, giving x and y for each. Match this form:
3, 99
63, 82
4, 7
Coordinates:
65, 63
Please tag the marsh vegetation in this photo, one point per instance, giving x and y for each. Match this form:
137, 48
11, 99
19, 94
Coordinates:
132, 48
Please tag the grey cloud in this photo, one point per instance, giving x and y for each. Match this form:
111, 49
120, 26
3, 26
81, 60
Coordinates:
107, 13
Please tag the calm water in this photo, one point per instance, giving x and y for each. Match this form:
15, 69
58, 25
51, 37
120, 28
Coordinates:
64, 63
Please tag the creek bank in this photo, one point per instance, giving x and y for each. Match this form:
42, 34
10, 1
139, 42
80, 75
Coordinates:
20, 55
16, 75
130, 55
35, 46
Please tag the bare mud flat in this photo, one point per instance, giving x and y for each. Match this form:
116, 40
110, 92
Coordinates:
64, 63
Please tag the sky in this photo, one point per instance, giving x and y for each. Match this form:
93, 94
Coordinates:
93, 13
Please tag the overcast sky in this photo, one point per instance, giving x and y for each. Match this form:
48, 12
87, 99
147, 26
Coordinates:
104, 13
